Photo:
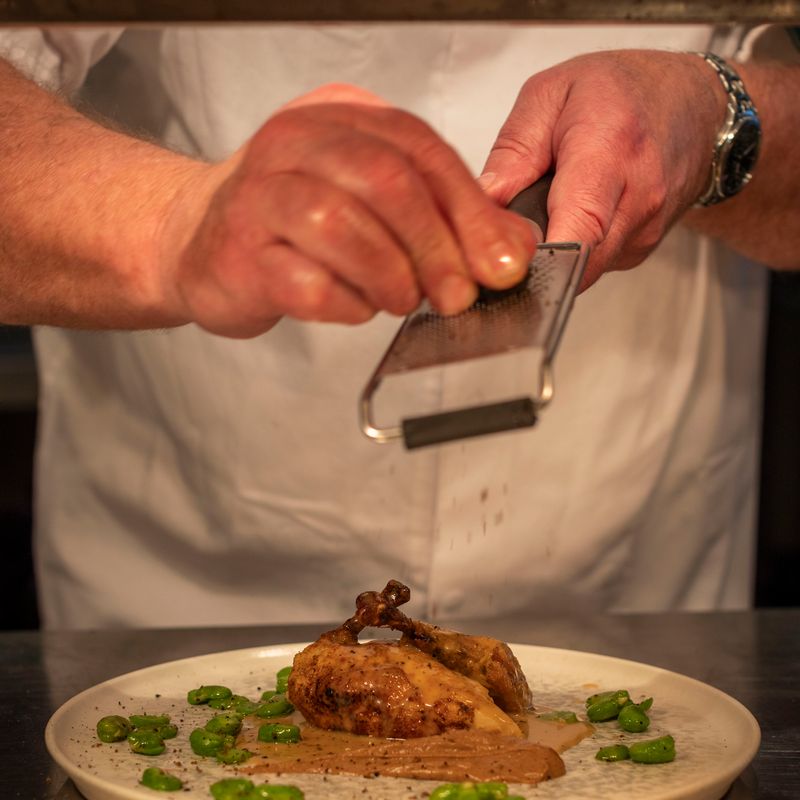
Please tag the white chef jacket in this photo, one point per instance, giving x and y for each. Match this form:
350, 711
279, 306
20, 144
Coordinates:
184, 478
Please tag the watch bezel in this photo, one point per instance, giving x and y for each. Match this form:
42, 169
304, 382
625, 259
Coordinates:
732, 139
727, 177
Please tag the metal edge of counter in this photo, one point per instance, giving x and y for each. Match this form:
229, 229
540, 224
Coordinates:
175, 11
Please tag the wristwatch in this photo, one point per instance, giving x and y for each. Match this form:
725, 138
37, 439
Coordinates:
738, 141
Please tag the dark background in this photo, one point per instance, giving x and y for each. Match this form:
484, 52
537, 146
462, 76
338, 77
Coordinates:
17, 432
778, 564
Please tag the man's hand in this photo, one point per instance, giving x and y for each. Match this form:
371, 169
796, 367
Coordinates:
340, 206
630, 134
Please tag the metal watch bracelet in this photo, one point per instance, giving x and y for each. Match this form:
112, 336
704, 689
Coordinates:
740, 110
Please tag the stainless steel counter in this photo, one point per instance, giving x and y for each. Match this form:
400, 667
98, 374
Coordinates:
753, 656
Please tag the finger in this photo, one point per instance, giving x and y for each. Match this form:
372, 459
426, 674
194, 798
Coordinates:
645, 211
247, 291
302, 289
338, 93
384, 180
628, 243
630, 239
496, 244
493, 245
584, 195
601, 259
332, 227
485, 181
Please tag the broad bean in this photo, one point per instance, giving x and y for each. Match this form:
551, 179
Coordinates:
165, 731
206, 743
237, 702
155, 778
469, 790
282, 680
275, 791
603, 711
605, 706
146, 742
276, 706
653, 751
633, 719
614, 752
275, 732
620, 695
113, 728
230, 722
205, 693
233, 755
243, 789
231, 789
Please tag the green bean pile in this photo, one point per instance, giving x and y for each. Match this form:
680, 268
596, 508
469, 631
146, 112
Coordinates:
216, 739
651, 751
145, 733
632, 718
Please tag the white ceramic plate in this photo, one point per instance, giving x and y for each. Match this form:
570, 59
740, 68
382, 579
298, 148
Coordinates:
716, 737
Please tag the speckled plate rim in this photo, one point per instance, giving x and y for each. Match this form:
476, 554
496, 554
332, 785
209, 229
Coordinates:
226, 665
99, 787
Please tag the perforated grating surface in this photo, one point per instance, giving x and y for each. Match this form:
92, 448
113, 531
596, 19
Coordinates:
526, 318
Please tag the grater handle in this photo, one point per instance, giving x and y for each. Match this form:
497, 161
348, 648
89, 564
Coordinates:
466, 422
532, 202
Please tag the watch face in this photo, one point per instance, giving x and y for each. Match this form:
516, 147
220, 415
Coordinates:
741, 156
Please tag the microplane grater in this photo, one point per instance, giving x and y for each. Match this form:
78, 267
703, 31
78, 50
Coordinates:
531, 316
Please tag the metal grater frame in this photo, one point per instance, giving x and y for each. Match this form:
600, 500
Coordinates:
531, 317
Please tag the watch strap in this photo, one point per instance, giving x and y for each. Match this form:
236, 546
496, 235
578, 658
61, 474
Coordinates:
740, 105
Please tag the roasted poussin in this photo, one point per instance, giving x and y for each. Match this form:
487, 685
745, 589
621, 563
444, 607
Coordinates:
409, 688
486, 660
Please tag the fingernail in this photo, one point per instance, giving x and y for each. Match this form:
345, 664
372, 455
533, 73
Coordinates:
456, 293
486, 180
505, 261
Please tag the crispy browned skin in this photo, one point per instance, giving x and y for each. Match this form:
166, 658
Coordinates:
428, 682
486, 660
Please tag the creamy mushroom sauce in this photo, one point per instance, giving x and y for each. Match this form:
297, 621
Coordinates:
454, 756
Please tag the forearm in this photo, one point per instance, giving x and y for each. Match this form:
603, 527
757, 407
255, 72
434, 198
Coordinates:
762, 221
81, 213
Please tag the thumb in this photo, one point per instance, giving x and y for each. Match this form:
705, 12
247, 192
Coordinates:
507, 172
523, 151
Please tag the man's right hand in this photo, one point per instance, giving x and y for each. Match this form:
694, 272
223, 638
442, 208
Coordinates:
338, 207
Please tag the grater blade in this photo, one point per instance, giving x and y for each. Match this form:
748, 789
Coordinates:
530, 317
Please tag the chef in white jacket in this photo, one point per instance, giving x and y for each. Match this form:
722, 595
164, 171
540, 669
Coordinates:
185, 477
